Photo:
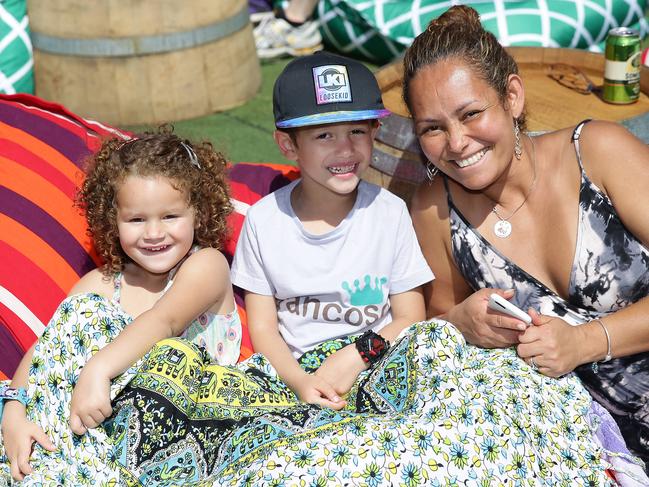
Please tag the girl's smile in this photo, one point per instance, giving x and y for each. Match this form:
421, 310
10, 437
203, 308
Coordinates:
155, 223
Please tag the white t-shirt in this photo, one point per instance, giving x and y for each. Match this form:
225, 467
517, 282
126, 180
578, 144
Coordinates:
335, 284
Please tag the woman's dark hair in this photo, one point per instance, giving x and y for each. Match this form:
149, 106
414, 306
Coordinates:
196, 170
458, 34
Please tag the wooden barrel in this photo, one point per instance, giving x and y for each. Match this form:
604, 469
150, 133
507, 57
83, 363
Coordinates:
398, 163
143, 62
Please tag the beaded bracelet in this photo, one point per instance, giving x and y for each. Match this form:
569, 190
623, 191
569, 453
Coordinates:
11, 394
608, 355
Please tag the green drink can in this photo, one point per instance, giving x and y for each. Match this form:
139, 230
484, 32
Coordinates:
622, 69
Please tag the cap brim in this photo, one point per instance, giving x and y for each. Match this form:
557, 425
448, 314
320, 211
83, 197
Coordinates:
332, 117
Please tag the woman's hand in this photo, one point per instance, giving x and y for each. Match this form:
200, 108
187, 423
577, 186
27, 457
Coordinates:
482, 326
19, 435
316, 390
551, 345
90, 404
341, 369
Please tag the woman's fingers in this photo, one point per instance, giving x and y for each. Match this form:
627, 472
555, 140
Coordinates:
507, 323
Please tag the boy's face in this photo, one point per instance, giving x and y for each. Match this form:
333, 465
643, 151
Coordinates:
330, 156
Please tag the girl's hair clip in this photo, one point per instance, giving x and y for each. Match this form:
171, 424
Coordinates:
191, 154
124, 142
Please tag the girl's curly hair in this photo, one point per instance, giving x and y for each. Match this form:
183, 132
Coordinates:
197, 170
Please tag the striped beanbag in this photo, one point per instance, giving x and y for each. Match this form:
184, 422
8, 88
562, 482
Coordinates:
44, 248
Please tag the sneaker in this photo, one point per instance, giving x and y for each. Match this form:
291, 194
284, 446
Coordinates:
276, 37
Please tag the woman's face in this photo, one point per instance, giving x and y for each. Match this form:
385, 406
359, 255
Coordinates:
463, 127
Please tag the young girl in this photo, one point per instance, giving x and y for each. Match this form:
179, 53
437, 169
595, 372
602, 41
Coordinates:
156, 207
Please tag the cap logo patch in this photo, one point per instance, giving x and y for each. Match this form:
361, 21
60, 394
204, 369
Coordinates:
331, 84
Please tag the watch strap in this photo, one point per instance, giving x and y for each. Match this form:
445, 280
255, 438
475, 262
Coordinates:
371, 347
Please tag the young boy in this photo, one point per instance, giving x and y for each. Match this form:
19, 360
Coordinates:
329, 255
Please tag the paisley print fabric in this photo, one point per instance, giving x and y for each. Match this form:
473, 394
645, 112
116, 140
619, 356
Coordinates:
610, 271
434, 409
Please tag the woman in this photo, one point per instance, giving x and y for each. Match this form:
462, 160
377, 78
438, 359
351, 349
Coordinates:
550, 222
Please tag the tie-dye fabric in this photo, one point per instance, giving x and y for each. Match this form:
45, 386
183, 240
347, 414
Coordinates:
610, 271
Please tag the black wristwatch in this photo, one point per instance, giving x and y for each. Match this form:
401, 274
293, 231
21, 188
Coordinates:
371, 346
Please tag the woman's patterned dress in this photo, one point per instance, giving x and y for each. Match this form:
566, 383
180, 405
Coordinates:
610, 271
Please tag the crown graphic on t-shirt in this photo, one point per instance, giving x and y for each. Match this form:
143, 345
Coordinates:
368, 294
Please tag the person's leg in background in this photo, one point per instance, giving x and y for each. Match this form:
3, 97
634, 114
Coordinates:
290, 31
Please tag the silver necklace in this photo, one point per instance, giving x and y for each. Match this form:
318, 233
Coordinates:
503, 227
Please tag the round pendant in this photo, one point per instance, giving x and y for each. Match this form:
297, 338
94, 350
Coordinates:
502, 228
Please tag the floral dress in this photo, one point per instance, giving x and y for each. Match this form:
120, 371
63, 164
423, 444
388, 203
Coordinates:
434, 411
82, 325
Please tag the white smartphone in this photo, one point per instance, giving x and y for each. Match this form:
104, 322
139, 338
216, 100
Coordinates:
498, 303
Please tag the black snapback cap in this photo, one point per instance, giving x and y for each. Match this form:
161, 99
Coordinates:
325, 88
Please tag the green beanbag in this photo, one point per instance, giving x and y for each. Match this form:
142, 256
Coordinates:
380, 30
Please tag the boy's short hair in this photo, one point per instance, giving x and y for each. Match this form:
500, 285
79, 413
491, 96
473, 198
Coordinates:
325, 88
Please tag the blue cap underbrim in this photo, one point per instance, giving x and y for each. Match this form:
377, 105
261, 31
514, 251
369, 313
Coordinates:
332, 117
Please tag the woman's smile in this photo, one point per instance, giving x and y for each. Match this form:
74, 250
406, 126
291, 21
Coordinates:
471, 160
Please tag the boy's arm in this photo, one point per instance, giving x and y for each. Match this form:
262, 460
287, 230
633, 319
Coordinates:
266, 339
343, 367
406, 308
202, 281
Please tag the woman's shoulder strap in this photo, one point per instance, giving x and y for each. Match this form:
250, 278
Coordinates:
575, 139
449, 198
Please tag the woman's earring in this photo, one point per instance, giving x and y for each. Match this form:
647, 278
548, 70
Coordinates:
518, 150
431, 171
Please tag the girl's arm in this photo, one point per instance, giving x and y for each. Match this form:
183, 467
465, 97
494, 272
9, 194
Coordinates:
18, 433
266, 339
201, 283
